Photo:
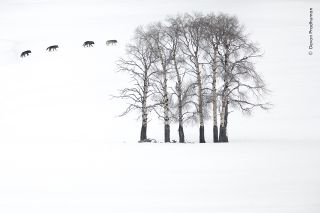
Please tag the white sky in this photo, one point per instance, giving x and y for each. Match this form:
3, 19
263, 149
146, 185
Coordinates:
63, 97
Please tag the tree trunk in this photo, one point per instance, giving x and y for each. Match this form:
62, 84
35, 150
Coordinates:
226, 122
166, 133
214, 112
223, 134
223, 124
181, 134
180, 104
166, 121
224, 111
200, 103
214, 97
165, 99
166, 115
143, 133
215, 118
201, 133
215, 134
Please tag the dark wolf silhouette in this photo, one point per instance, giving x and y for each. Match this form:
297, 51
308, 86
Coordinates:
88, 44
52, 48
25, 53
111, 42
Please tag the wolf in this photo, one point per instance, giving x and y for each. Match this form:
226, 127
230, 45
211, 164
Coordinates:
88, 44
111, 42
25, 53
52, 48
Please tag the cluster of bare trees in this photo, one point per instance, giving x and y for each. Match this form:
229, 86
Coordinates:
192, 67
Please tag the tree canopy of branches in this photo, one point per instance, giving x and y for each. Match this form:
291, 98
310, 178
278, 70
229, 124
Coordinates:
140, 58
187, 63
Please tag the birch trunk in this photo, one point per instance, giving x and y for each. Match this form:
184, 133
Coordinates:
226, 122
215, 116
223, 122
200, 103
143, 133
180, 104
180, 130
214, 98
166, 110
224, 113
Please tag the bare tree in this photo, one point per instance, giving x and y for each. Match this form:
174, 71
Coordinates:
140, 58
182, 93
230, 32
211, 46
162, 51
191, 29
240, 79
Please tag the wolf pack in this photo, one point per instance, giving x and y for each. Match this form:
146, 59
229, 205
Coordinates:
55, 47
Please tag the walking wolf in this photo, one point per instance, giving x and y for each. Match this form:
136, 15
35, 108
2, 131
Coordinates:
52, 48
88, 44
25, 53
111, 42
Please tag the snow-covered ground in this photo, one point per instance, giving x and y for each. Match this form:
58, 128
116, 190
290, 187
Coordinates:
269, 176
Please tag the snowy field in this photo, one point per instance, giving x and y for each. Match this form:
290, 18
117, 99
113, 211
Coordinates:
241, 177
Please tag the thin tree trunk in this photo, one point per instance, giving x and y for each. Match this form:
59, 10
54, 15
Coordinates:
166, 103
200, 103
181, 134
179, 91
214, 98
143, 133
222, 132
166, 111
166, 120
180, 130
166, 133
226, 122
215, 134
201, 135
223, 115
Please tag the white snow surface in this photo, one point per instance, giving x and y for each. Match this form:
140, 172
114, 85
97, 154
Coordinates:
243, 177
